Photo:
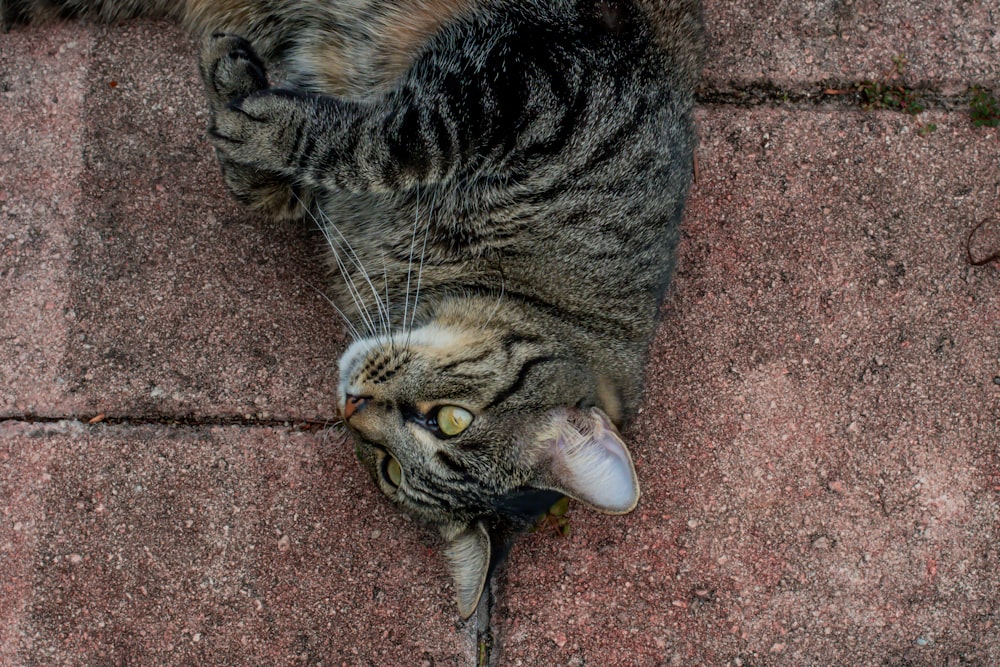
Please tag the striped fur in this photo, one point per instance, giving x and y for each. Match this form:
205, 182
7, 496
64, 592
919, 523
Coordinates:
500, 184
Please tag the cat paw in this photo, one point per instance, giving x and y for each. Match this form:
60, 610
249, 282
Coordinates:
230, 69
261, 130
249, 122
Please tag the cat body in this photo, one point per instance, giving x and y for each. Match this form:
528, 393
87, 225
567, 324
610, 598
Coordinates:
500, 183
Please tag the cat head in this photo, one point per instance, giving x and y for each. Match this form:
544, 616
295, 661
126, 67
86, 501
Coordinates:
478, 432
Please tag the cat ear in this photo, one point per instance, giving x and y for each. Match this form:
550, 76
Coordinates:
468, 554
587, 460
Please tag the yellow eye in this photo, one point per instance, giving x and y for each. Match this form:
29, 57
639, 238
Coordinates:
452, 419
393, 472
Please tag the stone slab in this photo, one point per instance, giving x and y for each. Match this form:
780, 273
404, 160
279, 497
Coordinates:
153, 545
819, 450
142, 290
799, 45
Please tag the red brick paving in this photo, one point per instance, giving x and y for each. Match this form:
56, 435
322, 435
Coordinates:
818, 449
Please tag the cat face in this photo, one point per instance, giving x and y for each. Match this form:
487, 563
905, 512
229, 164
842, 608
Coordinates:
479, 432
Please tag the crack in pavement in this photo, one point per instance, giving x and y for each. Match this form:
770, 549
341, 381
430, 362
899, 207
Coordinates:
838, 95
174, 420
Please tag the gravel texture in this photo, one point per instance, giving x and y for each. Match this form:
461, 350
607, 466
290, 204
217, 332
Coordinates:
819, 449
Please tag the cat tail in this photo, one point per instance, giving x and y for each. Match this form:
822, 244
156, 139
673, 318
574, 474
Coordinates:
260, 21
21, 12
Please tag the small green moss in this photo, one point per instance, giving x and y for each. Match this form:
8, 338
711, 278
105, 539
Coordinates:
484, 653
879, 95
890, 92
560, 508
556, 519
983, 107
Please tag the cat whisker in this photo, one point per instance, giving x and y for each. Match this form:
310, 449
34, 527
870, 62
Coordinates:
351, 329
420, 267
385, 283
348, 281
409, 264
383, 309
385, 287
324, 224
328, 429
352, 289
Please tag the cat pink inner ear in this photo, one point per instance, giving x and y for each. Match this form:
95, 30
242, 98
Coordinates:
588, 461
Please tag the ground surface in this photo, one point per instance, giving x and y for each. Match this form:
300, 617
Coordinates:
818, 449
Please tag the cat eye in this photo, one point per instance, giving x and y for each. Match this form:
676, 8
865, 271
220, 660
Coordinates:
444, 421
452, 420
392, 473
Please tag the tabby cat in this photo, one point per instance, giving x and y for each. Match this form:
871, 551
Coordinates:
500, 184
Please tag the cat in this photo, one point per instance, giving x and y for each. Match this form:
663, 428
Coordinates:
500, 183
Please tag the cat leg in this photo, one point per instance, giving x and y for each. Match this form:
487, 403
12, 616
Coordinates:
402, 139
485, 111
231, 70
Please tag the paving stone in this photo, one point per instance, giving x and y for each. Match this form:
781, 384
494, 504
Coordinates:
156, 545
819, 447
946, 45
40, 165
142, 289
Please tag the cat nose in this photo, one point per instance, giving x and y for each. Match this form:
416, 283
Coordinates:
354, 404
